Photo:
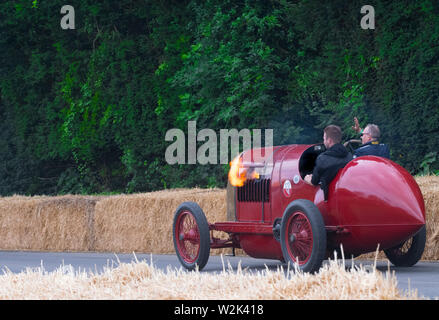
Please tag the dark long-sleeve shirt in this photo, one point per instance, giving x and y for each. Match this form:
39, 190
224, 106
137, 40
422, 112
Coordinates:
373, 148
328, 164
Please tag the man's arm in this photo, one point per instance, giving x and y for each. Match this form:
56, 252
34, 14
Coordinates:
356, 126
314, 178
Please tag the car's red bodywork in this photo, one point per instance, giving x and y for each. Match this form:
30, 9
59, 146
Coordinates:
371, 202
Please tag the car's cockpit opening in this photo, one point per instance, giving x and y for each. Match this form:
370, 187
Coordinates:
307, 161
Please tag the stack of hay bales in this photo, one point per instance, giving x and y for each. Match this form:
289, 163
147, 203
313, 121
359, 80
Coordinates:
120, 223
62, 223
138, 222
430, 190
143, 222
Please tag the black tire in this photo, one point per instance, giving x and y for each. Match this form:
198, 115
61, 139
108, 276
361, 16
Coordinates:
191, 238
305, 248
408, 253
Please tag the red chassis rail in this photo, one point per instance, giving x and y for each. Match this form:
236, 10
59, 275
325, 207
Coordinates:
243, 227
237, 227
234, 228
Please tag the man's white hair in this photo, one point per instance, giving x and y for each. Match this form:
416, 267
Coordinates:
373, 130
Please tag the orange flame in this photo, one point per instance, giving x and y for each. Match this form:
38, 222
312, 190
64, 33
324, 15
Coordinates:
237, 174
254, 175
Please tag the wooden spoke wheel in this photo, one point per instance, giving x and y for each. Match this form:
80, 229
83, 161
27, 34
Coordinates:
191, 236
303, 236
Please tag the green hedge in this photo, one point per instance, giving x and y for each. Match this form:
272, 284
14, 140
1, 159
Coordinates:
86, 110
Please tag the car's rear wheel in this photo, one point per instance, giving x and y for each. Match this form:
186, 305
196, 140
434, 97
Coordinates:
303, 236
408, 253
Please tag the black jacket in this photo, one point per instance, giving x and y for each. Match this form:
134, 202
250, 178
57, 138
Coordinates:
373, 148
327, 165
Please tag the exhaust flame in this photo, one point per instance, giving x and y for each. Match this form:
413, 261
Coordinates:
254, 175
237, 174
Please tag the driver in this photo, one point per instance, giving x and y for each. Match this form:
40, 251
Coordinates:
329, 162
370, 141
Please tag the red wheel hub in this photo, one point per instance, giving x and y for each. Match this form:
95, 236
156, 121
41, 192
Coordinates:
299, 238
188, 237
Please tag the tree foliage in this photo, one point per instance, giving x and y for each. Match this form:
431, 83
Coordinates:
86, 110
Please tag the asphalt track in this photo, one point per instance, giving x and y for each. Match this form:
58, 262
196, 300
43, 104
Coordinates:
424, 276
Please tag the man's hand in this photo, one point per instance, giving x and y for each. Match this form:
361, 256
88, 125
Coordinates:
356, 126
308, 178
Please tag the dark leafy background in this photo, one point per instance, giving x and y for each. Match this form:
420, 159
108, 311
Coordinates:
86, 110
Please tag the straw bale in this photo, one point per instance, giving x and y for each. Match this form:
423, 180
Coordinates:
140, 280
137, 222
62, 223
143, 222
430, 190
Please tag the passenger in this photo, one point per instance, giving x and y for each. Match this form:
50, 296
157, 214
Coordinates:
370, 141
331, 161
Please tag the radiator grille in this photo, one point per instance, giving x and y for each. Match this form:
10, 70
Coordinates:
254, 191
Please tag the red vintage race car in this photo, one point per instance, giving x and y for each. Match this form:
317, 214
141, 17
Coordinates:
273, 213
